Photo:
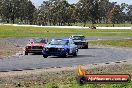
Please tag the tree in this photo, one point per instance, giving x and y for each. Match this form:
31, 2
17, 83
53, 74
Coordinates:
5, 10
63, 12
12, 10
83, 11
114, 15
129, 13
43, 13
88, 11
60, 12
55, 12
30, 12
94, 12
0, 7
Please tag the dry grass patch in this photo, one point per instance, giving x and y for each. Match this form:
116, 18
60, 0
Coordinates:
7, 49
65, 79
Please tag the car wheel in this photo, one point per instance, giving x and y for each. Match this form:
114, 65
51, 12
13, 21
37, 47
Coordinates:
45, 56
66, 55
86, 46
26, 53
40, 53
75, 54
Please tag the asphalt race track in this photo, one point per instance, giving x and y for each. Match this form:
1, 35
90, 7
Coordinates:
93, 55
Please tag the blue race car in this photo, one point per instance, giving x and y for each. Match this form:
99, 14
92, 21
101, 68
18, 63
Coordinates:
60, 47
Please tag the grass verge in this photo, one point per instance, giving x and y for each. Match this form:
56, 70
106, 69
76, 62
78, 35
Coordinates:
19, 32
65, 79
118, 43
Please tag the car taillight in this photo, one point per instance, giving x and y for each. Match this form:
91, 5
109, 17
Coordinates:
59, 49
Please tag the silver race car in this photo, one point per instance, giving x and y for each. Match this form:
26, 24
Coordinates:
80, 41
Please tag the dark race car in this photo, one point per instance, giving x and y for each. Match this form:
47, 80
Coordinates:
80, 41
35, 45
60, 47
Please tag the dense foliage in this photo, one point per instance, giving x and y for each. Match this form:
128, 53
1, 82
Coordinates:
60, 12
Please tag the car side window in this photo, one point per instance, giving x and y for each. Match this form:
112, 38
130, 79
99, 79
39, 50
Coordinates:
67, 43
43, 41
71, 42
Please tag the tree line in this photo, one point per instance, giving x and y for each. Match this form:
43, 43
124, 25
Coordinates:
60, 12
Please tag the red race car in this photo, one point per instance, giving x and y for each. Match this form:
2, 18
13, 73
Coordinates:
35, 45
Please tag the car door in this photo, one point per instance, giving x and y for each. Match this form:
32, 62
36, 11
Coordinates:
72, 47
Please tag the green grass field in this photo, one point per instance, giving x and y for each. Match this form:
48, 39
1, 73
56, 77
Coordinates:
116, 43
19, 32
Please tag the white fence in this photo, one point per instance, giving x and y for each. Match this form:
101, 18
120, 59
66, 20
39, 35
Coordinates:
75, 27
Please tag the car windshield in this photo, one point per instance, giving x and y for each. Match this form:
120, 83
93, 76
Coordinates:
78, 37
37, 40
59, 42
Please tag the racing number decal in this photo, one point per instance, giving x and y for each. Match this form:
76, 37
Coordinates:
70, 49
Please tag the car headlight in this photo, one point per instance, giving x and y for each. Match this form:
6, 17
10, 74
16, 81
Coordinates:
59, 49
62, 49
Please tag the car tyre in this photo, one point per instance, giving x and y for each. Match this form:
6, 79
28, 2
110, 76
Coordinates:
26, 53
75, 54
86, 47
66, 55
45, 56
